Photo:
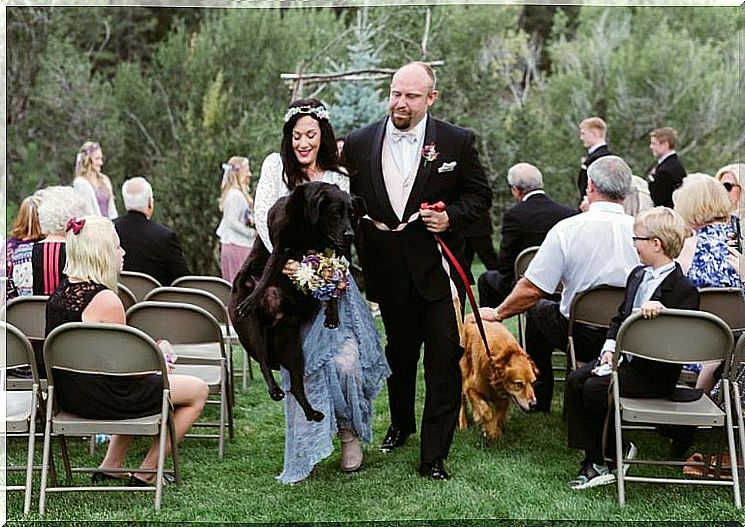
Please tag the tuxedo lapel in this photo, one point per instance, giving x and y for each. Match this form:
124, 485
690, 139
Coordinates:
632, 288
376, 174
423, 173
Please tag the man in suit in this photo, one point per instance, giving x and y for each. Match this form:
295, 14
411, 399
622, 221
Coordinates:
478, 236
668, 174
523, 225
149, 247
592, 134
658, 283
395, 165
580, 252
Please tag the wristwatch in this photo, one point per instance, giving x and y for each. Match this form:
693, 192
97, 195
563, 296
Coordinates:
497, 315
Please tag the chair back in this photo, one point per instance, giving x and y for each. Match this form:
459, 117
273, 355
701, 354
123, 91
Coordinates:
18, 350
726, 303
28, 314
678, 336
177, 322
212, 284
103, 348
207, 301
523, 260
138, 283
126, 296
597, 306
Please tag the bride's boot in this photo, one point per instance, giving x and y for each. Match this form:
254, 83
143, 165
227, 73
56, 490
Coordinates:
351, 451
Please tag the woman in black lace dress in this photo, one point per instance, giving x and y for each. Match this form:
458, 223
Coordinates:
94, 260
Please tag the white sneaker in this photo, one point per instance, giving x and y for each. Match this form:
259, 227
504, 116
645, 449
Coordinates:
592, 475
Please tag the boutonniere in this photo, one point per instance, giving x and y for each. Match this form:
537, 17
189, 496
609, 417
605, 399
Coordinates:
429, 153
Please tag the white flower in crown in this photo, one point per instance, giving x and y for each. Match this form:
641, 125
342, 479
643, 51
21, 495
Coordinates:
319, 111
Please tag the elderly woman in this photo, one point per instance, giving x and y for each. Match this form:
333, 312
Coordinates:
48, 256
93, 185
24, 232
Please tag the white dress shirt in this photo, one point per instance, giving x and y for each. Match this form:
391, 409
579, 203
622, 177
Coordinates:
585, 251
401, 154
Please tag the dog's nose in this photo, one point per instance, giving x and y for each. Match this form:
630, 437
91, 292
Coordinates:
348, 236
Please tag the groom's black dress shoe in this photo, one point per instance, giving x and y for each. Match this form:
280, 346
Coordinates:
434, 470
394, 438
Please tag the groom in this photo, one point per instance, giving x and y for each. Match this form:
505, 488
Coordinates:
395, 165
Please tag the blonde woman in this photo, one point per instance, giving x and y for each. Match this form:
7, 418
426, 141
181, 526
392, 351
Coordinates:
93, 185
88, 294
236, 230
729, 176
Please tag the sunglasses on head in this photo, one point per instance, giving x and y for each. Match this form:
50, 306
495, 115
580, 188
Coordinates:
729, 186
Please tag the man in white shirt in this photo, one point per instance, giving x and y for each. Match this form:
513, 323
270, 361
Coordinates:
581, 252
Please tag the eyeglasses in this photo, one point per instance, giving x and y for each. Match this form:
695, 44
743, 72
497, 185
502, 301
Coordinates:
638, 238
729, 186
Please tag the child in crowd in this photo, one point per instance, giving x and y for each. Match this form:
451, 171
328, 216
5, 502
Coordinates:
659, 234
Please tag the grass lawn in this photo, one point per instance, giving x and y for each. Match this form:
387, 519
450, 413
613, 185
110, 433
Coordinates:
522, 476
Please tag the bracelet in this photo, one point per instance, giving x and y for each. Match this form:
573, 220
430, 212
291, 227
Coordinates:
497, 315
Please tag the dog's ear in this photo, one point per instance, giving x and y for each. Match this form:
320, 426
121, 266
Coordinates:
315, 203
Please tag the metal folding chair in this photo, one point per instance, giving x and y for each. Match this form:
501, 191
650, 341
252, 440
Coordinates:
675, 336
200, 350
521, 265
222, 290
595, 308
126, 296
138, 283
104, 349
20, 405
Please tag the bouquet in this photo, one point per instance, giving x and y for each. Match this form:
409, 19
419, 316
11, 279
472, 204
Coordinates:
322, 276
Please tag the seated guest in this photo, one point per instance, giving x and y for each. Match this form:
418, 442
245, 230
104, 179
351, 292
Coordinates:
523, 225
656, 284
24, 232
729, 176
668, 174
638, 198
57, 205
581, 252
705, 206
150, 247
88, 294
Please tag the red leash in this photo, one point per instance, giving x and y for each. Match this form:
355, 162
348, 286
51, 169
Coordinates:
440, 207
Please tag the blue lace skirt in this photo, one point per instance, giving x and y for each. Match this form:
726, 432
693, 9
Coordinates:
344, 370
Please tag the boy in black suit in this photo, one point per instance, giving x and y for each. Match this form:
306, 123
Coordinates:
668, 174
592, 134
659, 283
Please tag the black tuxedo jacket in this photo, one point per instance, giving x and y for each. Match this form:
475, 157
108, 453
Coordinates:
396, 261
666, 177
676, 291
589, 160
525, 225
150, 248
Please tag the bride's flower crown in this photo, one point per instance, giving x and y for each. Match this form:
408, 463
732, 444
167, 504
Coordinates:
319, 111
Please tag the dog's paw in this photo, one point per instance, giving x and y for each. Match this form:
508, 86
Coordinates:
276, 393
315, 415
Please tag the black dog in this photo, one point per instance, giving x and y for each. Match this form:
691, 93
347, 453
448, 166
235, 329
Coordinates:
266, 308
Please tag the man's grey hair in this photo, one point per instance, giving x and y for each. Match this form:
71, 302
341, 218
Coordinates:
611, 176
525, 177
137, 193
57, 205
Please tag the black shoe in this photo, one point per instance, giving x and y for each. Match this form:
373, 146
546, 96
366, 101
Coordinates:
394, 438
435, 471
98, 477
134, 481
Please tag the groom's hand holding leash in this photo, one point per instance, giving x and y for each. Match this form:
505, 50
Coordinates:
434, 219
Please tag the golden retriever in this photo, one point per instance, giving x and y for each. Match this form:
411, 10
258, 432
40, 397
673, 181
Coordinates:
490, 382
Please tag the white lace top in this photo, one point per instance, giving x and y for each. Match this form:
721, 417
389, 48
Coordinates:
271, 187
233, 228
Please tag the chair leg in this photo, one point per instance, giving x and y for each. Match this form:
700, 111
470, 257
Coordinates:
164, 413
46, 453
223, 417
174, 448
619, 440
728, 424
65, 458
740, 426
30, 456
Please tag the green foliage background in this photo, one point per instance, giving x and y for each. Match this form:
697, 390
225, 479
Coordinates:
172, 93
